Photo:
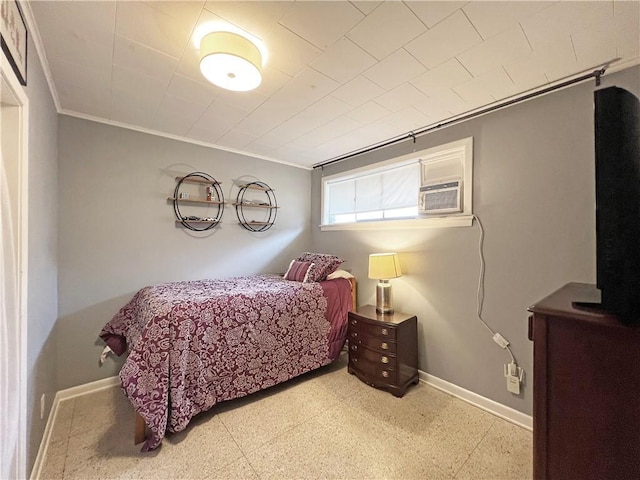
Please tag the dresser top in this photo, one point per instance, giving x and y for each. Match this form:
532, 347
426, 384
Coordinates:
573, 301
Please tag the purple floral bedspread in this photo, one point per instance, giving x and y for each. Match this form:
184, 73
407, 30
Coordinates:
193, 344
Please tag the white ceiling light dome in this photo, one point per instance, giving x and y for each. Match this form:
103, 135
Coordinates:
231, 61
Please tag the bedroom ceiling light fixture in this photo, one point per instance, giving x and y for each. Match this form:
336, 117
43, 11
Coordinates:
384, 266
231, 60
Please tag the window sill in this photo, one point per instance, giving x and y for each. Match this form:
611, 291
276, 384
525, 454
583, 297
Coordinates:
434, 222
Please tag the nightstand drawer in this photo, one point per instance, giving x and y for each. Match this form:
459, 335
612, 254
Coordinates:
373, 329
376, 358
373, 371
358, 340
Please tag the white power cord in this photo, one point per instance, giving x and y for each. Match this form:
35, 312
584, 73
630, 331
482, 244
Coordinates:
499, 339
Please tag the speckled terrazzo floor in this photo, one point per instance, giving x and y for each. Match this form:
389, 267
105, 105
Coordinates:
326, 424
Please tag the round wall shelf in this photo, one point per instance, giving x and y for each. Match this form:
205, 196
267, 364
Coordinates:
259, 200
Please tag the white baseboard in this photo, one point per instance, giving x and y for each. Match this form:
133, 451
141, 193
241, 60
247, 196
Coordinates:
90, 387
491, 406
61, 395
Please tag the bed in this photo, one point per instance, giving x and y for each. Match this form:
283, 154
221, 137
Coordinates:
196, 343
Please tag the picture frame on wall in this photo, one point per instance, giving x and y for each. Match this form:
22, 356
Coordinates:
13, 37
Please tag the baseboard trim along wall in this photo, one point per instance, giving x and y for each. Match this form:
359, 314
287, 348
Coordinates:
495, 408
62, 395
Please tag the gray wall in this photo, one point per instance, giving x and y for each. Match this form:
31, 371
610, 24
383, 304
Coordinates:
42, 274
534, 193
117, 232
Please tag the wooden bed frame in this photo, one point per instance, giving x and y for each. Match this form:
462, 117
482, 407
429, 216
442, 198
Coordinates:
140, 427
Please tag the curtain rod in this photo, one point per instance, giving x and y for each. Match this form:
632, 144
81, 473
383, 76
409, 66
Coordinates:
413, 134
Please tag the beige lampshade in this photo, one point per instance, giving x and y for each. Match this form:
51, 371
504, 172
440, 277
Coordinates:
383, 266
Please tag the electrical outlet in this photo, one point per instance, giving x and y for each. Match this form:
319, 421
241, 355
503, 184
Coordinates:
514, 375
42, 406
513, 384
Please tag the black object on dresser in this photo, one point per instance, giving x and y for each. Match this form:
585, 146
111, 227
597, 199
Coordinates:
586, 389
383, 349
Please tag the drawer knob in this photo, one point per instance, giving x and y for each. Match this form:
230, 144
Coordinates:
385, 374
385, 332
355, 360
384, 346
354, 347
354, 334
384, 359
354, 322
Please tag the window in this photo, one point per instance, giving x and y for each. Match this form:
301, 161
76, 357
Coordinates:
379, 195
386, 195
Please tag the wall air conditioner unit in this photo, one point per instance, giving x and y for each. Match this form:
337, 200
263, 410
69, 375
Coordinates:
440, 197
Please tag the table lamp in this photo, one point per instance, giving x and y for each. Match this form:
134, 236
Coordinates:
383, 266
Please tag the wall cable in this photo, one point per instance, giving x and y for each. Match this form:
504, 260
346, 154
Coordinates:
480, 291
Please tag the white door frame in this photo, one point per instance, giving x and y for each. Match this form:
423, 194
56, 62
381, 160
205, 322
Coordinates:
13, 91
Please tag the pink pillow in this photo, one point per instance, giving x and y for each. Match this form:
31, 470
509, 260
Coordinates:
299, 271
324, 264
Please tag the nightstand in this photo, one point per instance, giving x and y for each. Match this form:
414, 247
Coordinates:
383, 349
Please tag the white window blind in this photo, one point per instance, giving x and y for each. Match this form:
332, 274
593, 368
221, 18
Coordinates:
388, 193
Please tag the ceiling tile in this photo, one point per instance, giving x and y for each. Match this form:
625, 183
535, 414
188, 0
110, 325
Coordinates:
326, 132
446, 75
321, 23
434, 108
358, 91
90, 101
444, 41
498, 83
149, 26
496, 51
185, 12
129, 113
219, 119
254, 17
272, 81
243, 101
85, 21
343, 61
615, 37
316, 115
135, 56
81, 76
432, 13
367, 113
140, 88
80, 51
474, 93
557, 58
190, 91
188, 111
288, 52
406, 120
233, 139
447, 99
386, 29
400, 97
397, 68
366, 6
526, 73
171, 124
563, 18
490, 18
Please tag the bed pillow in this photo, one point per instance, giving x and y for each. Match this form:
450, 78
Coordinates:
299, 271
339, 274
324, 264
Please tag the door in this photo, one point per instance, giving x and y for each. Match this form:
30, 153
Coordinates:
13, 270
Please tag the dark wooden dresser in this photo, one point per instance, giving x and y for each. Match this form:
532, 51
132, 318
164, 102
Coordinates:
383, 349
586, 389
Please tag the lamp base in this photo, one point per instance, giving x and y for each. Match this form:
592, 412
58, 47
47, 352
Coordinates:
384, 303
